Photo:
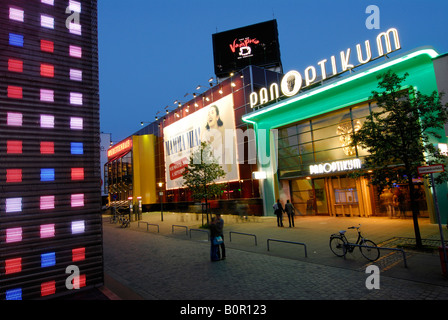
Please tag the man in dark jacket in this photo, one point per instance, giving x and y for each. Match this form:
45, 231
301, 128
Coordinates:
278, 211
289, 208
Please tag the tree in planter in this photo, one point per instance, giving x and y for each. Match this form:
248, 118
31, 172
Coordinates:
202, 172
398, 136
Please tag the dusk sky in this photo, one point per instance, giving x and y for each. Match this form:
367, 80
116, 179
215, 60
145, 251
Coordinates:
154, 52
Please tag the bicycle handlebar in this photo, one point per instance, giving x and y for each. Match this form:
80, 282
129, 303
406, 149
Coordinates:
359, 226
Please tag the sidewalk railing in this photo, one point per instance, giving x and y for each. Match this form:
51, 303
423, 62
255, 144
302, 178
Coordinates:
292, 242
149, 224
242, 233
201, 230
382, 248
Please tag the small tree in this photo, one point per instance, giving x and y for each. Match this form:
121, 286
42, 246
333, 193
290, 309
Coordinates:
201, 174
398, 136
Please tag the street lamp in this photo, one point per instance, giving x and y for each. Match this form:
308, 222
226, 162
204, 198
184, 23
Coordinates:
161, 198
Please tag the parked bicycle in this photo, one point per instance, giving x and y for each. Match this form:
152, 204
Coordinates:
340, 245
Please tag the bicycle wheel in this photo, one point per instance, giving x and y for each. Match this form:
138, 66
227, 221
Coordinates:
337, 246
370, 253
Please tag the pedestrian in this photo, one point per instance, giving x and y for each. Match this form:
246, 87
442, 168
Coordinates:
217, 239
278, 211
220, 233
290, 210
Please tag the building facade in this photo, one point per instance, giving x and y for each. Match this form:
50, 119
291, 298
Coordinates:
50, 221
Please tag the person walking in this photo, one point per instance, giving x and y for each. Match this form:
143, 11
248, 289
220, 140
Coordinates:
290, 210
220, 233
278, 211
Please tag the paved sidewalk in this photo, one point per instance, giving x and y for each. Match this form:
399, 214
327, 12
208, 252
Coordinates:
173, 263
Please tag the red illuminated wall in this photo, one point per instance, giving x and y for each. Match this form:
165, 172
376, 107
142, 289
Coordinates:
49, 147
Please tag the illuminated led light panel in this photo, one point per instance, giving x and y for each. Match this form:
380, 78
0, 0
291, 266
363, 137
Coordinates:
13, 235
79, 281
47, 147
48, 288
46, 202
76, 98
75, 51
47, 174
13, 175
16, 40
47, 231
78, 254
13, 205
47, 46
75, 28
14, 294
77, 200
47, 70
46, 95
46, 121
78, 227
77, 148
47, 259
49, 2
13, 147
13, 265
14, 119
75, 75
76, 123
77, 173
47, 21
74, 6
16, 14
15, 92
15, 65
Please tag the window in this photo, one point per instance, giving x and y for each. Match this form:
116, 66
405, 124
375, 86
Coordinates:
13, 265
13, 235
76, 123
75, 51
14, 119
16, 14
47, 147
47, 21
77, 148
47, 46
47, 259
13, 205
78, 227
15, 65
47, 70
13, 175
46, 95
46, 121
15, 40
76, 98
78, 174
47, 174
46, 202
15, 92
14, 147
75, 75
47, 231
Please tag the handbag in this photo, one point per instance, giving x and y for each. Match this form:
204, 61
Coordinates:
217, 240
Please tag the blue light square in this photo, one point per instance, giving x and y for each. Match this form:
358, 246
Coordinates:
77, 148
14, 294
16, 40
47, 259
46, 174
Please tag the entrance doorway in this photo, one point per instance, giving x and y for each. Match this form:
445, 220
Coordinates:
309, 196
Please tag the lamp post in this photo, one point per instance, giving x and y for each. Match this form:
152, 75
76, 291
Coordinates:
161, 202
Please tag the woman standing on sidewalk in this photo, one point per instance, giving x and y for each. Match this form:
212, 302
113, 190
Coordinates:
216, 239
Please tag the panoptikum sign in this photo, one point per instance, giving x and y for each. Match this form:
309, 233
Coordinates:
293, 81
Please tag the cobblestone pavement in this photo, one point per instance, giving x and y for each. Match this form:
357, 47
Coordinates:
171, 261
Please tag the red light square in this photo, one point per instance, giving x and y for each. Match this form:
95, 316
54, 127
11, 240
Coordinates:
47, 46
48, 288
13, 175
15, 92
47, 70
79, 281
14, 147
77, 173
46, 147
78, 254
13, 265
15, 65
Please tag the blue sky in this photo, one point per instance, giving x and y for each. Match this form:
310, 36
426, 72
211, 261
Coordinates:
154, 52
